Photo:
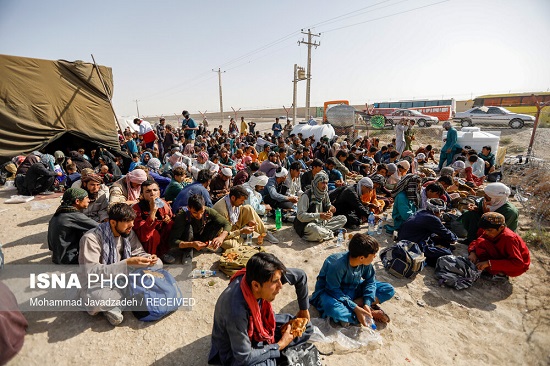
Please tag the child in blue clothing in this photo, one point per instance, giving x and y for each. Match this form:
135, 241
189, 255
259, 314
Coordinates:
135, 162
347, 290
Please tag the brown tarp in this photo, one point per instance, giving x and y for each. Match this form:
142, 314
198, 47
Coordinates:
41, 100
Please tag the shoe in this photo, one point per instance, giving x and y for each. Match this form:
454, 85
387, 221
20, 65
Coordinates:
494, 278
114, 316
270, 238
46, 193
168, 259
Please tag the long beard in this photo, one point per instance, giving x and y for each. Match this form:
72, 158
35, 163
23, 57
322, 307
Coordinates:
92, 196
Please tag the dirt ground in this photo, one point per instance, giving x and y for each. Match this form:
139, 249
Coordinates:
492, 324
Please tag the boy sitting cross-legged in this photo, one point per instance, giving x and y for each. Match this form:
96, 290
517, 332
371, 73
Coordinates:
347, 290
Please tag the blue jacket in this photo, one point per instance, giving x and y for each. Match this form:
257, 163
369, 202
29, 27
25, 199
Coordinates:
421, 225
183, 197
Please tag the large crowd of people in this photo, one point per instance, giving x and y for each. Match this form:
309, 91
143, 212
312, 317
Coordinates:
191, 188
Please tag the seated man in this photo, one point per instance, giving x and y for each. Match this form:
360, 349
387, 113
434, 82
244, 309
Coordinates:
153, 221
244, 220
270, 165
276, 192
406, 197
220, 184
200, 186
488, 159
315, 220
246, 331
40, 177
432, 190
99, 198
307, 177
107, 250
128, 188
200, 163
499, 251
67, 226
347, 290
335, 178
175, 185
495, 200
255, 186
196, 225
293, 180
426, 224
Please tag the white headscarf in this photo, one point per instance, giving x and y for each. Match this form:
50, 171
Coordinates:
499, 193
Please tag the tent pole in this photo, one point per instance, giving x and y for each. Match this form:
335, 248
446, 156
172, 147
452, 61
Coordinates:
107, 94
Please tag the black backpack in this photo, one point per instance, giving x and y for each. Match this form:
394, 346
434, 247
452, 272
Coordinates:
455, 271
403, 259
303, 354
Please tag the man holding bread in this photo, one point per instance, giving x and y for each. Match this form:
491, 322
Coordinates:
246, 331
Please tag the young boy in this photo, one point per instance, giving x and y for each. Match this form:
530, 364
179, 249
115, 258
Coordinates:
135, 162
347, 290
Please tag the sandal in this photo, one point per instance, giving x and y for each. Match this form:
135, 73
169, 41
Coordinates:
379, 315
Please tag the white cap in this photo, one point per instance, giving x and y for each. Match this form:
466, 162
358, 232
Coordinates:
227, 172
282, 173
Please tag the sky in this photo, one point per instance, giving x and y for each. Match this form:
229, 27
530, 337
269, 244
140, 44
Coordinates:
162, 53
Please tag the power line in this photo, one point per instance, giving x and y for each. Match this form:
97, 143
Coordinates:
386, 16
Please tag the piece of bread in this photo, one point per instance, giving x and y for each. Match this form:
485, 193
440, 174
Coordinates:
298, 326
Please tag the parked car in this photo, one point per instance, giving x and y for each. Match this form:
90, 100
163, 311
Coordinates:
492, 115
421, 120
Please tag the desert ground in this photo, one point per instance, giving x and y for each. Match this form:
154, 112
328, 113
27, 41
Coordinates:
489, 323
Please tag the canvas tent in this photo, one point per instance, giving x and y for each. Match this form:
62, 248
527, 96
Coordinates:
54, 103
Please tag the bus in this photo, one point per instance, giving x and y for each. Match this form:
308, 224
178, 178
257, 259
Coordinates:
331, 104
517, 103
444, 109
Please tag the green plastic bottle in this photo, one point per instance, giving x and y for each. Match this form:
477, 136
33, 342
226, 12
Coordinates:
278, 219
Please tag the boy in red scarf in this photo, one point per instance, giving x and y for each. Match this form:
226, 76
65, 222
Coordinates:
246, 331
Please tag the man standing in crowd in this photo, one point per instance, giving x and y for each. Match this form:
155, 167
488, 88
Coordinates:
161, 134
277, 128
144, 127
189, 126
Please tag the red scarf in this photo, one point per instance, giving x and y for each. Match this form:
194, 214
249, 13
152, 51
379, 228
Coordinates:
261, 324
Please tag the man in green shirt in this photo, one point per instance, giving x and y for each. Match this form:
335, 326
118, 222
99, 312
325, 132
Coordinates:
175, 185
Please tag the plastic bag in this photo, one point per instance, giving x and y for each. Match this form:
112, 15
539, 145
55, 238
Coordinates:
352, 337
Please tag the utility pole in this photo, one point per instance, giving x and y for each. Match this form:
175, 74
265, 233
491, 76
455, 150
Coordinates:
137, 106
219, 71
309, 45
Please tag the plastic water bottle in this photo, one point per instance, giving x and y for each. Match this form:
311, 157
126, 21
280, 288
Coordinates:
159, 203
371, 230
249, 239
370, 323
379, 228
278, 219
198, 273
264, 218
340, 238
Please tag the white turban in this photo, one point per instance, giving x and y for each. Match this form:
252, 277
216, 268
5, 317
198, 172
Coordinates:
258, 181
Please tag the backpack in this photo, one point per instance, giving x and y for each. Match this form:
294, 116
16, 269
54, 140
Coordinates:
302, 354
234, 259
403, 259
455, 271
164, 288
